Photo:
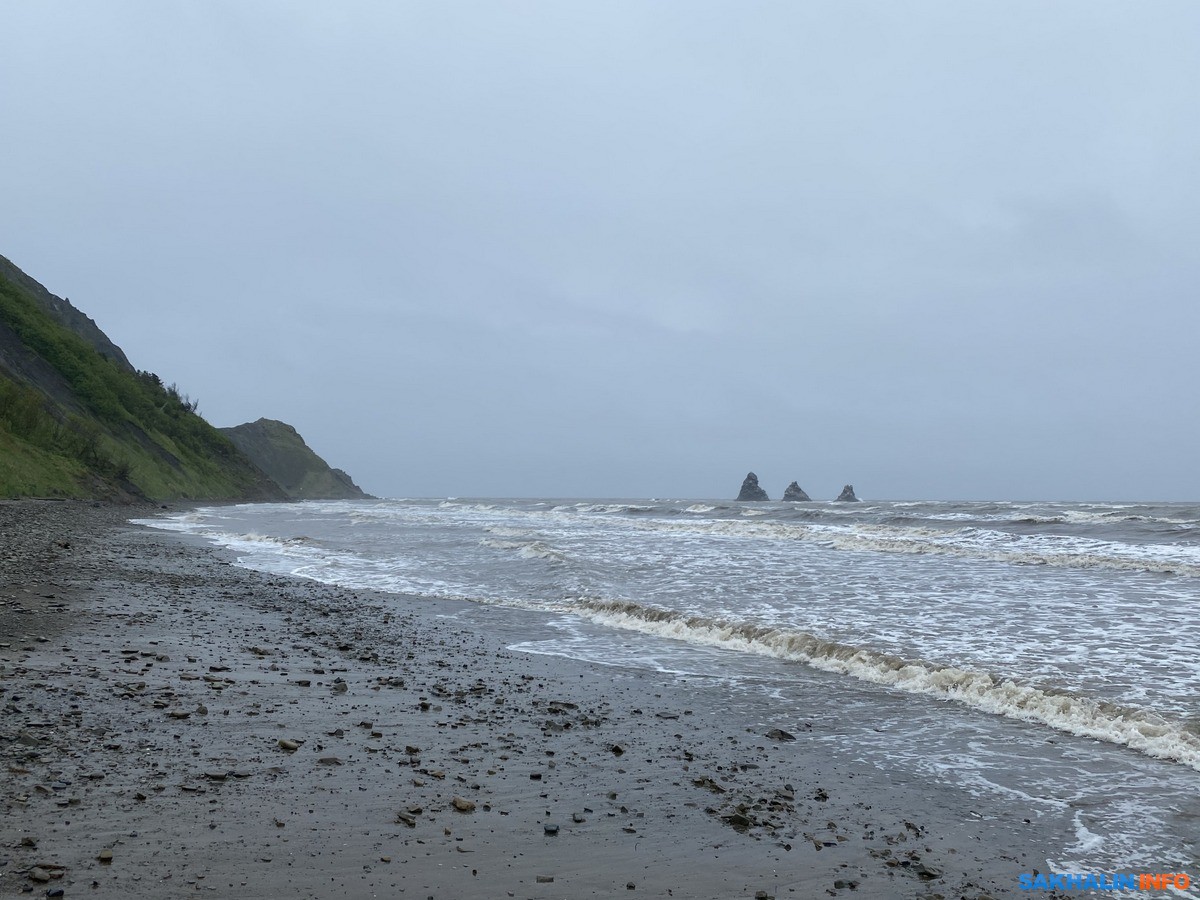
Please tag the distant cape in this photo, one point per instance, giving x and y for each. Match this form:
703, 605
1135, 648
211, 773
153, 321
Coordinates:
279, 450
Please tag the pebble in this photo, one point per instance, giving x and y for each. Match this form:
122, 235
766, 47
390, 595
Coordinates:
288, 745
463, 805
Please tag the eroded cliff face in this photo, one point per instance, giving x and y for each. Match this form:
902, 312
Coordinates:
279, 450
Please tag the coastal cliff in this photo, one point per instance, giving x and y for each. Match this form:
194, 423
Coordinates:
78, 420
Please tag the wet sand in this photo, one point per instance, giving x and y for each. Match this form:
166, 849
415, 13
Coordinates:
173, 724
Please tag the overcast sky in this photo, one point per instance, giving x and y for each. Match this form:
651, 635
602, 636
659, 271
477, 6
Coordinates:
939, 250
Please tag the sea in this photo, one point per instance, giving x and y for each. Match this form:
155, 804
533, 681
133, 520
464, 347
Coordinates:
1046, 655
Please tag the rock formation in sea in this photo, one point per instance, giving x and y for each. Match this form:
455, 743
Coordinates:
750, 489
847, 495
796, 493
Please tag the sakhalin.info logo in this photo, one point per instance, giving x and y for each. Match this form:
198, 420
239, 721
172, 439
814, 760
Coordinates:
1144, 881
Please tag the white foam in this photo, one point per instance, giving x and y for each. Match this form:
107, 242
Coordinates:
975, 543
527, 549
1140, 730
1086, 841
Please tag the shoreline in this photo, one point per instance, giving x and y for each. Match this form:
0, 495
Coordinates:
148, 724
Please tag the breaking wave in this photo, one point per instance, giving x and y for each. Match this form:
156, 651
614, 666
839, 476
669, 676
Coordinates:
527, 549
1138, 729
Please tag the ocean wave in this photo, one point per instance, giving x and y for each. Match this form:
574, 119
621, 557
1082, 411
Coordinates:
528, 549
1066, 551
509, 531
620, 508
1138, 729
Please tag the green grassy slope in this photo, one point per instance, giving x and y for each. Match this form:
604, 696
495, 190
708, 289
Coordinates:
74, 423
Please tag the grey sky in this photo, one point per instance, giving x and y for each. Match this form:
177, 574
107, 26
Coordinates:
940, 250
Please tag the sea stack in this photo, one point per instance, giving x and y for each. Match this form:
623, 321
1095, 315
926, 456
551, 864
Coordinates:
795, 493
750, 489
847, 495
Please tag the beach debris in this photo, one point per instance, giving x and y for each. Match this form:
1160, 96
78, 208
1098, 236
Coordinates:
738, 821
105, 857
550, 828
545, 879
927, 872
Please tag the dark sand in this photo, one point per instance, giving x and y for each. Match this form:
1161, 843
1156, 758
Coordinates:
146, 685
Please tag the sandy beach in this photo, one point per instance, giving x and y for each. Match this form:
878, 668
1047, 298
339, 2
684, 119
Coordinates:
174, 724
